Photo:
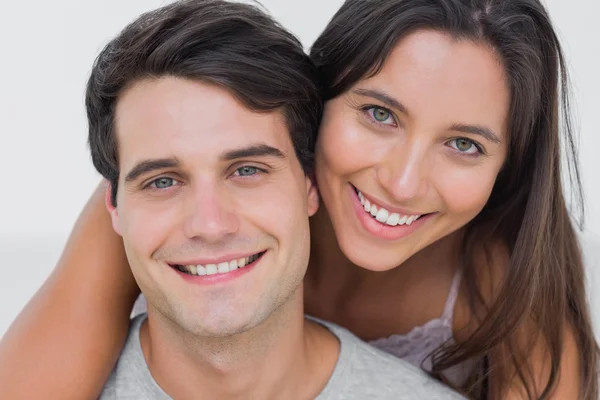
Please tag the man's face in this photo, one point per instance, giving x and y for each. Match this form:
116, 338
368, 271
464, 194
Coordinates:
212, 205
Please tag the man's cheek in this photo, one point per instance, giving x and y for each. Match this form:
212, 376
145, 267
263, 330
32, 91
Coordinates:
145, 231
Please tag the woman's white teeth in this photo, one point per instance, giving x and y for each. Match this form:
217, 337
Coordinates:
374, 210
393, 219
221, 268
384, 216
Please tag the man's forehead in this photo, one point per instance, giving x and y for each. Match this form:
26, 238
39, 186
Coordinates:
162, 117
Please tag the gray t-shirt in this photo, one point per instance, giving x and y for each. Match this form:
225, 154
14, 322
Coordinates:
362, 372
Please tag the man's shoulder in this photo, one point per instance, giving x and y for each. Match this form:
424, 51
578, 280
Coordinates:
377, 374
119, 382
397, 375
131, 379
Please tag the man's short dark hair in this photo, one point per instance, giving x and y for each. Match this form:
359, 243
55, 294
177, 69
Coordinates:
232, 45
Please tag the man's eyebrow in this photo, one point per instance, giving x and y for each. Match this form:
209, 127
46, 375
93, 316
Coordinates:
259, 150
383, 97
477, 130
143, 167
146, 166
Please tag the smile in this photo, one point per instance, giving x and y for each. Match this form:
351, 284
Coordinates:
223, 267
384, 216
385, 222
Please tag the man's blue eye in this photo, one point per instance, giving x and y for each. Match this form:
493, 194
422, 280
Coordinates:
246, 171
163, 183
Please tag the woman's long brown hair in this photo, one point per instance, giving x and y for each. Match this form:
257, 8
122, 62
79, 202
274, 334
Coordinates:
544, 283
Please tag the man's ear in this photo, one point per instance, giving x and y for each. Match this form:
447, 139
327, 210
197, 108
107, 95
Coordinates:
112, 209
313, 195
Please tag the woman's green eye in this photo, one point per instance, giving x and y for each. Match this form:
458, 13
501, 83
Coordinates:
465, 146
381, 114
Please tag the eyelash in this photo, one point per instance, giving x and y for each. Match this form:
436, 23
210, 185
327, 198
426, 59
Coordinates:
365, 109
259, 171
154, 181
480, 151
152, 184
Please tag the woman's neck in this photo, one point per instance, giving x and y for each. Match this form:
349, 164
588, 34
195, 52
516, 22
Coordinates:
340, 291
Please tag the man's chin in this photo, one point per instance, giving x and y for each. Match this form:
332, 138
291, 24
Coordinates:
216, 329
208, 316
216, 324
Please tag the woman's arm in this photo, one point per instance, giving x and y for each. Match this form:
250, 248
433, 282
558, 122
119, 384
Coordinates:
65, 342
567, 385
530, 348
538, 362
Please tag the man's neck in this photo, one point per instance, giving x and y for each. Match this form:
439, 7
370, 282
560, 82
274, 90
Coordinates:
273, 360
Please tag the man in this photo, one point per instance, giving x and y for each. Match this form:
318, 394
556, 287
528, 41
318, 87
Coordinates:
203, 116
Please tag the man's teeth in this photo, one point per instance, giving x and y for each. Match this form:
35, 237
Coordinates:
384, 216
221, 268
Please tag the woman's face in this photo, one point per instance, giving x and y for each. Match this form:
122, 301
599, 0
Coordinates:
411, 154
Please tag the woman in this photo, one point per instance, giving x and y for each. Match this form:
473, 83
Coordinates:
445, 237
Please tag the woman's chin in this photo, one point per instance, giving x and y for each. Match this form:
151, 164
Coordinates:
374, 258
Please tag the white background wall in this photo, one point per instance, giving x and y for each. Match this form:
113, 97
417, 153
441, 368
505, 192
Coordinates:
46, 51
